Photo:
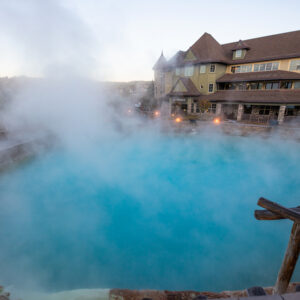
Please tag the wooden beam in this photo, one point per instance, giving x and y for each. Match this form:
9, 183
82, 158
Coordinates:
264, 214
280, 210
289, 262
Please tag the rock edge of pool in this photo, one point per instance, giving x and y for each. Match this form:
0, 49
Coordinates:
126, 294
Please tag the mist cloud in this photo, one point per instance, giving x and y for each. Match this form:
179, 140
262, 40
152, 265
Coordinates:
47, 36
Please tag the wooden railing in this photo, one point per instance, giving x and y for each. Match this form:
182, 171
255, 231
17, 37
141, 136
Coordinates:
259, 119
275, 212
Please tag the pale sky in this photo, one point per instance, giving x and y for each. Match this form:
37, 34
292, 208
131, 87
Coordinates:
121, 40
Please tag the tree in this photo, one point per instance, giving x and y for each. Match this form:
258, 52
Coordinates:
204, 106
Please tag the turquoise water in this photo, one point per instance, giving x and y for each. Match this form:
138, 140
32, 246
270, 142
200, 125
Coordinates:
148, 212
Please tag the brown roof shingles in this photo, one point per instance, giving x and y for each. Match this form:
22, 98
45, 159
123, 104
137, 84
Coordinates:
272, 47
189, 85
240, 45
255, 76
257, 96
207, 49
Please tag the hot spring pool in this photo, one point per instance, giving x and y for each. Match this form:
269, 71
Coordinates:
156, 212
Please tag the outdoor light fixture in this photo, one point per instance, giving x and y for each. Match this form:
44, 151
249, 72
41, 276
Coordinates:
178, 120
217, 121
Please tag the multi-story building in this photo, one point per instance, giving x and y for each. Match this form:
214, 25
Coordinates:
256, 80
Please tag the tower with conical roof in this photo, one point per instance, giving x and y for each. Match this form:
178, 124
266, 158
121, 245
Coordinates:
159, 77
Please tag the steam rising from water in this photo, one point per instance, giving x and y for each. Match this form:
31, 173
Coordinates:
116, 203
148, 210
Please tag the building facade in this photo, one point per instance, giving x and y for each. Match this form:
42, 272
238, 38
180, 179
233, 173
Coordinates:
256, 80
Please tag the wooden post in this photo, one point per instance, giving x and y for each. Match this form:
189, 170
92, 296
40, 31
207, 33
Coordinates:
276, 212
289, 262
264, 214
279, 210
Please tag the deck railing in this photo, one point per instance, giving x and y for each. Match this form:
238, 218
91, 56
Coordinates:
259, 119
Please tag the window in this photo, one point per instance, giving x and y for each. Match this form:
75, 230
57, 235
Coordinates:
241, 69
264, 110
221, 86
213, 108
177, 71
290, 110
275, 66
195, 107
189, 71
272, 86
238, 69
230, 86
262, 67
266, 67
212, 68
210, 87
246, 68
184, 107
297, 85
247, 109
295, 65
238, 53
286, 84
256, 85
202, 69
269, 86
242, 86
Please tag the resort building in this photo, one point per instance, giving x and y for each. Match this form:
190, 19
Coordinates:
255, 80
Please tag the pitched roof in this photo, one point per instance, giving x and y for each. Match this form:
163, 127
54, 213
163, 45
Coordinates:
161, 63
207, 49
254, 76
190, 89
277, 46
257, 96
240, 45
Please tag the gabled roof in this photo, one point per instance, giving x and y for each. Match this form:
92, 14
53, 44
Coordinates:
240, 45
161, 63
207, 49
255, 76
189, 88
257, 96
272, 47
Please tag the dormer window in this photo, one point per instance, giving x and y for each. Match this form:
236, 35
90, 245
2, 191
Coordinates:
239, 50
238, 53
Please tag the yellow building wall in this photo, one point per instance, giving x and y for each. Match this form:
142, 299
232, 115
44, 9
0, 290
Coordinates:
200, 80
284, 64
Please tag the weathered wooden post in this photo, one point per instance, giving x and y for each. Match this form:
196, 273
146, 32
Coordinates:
275, 212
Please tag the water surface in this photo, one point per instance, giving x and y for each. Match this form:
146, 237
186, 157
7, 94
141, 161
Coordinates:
148, 212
